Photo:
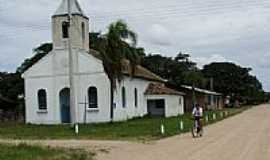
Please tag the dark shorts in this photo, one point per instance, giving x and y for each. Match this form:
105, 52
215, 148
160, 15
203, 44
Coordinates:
197, 118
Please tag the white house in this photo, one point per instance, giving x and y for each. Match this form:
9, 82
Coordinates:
47, 93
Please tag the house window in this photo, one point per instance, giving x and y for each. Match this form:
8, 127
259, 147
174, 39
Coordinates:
180, 101
42, 99
92, 97
123, 97
209, 99
136, 97
83, 32
65, 26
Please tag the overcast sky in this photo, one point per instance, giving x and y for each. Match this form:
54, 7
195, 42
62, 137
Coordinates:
209, 30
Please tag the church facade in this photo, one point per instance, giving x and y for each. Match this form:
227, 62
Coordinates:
47, 85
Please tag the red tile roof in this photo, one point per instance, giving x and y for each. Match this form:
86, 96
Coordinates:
161, 89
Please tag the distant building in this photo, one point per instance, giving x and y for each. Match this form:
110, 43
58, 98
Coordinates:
207, 99
47, 86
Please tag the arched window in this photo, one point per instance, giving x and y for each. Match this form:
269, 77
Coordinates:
42, 99
123, 97
92, 97
136, 97
83, 32
65, 26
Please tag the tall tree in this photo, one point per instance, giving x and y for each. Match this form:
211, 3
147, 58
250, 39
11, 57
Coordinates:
11, 86
113, 48
178, 70
232, 79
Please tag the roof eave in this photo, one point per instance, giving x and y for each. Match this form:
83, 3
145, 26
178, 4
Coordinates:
73, 14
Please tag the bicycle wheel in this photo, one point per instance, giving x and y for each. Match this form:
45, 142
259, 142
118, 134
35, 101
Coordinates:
194, 132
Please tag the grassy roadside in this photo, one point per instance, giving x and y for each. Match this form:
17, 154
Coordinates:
147, 128
25, 152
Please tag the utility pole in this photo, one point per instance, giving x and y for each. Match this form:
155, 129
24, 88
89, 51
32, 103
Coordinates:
193, 95
212, 89
73, 113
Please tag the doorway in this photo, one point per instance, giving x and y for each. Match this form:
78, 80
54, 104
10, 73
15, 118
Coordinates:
65, 105
156, 107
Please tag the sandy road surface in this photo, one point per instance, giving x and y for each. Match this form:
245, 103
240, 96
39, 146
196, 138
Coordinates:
242, 137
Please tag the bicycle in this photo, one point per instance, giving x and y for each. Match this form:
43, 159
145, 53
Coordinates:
197, 130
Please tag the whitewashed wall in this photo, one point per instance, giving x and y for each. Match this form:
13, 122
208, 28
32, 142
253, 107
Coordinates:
92, 75
172, 105
51, 74
130, 111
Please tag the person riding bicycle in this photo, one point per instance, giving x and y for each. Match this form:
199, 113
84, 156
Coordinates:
197, 114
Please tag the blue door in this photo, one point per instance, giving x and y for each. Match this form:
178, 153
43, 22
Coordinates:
65, 105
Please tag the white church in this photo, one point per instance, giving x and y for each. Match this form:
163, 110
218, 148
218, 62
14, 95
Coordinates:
47, 82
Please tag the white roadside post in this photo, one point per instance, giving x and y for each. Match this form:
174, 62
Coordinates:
76, 128
181, 125
226, 113
162, 129
221, 114
206, 119
214, 116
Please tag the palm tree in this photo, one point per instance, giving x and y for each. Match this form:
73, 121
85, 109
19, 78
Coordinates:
113, 50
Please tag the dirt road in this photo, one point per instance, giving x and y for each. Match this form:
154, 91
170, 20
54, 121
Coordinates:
242, 137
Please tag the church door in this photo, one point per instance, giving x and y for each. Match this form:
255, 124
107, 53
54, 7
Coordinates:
65, 105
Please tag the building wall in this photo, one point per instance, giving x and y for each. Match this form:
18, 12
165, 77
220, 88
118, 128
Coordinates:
173, 107
202, 100
33, 114
130, 111
51, 74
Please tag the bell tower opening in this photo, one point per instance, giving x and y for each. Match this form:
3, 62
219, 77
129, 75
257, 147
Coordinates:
83, 32
65, 26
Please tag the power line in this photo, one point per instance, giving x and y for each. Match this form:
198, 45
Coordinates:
202, 11
183, 9
164, 15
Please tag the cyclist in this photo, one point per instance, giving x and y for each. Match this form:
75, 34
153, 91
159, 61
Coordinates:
197, 114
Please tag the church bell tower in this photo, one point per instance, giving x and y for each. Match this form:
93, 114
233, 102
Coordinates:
79, 27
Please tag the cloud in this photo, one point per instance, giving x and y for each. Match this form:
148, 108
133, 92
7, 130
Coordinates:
159, 35
264, 62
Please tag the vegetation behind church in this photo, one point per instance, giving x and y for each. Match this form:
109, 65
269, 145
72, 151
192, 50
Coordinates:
233, 80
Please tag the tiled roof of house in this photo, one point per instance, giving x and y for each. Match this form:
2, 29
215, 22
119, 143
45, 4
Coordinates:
139, 71
202, 90
161, 89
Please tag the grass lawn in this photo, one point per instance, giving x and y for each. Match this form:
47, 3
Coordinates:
25, 152
147, 128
